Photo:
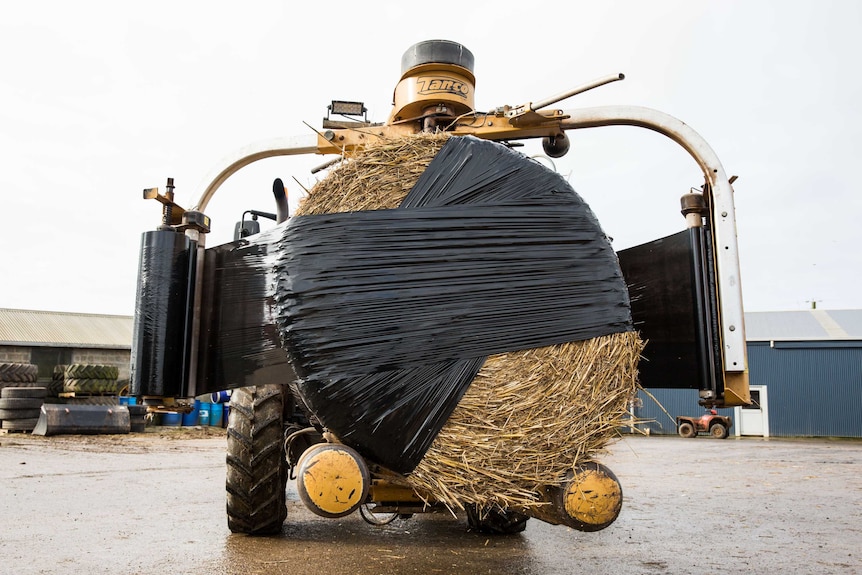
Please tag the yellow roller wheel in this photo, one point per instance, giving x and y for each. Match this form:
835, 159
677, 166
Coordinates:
591, 499
332, 480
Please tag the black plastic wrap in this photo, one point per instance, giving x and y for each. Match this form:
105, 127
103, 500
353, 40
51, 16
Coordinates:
388, 314
159, 358
661, 286
239, 344
392, 416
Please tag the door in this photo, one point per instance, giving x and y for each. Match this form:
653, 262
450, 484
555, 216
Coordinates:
754, 419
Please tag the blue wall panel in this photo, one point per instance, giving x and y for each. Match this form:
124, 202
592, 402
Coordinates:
813, 388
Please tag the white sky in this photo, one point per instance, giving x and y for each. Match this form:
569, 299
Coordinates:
99, 100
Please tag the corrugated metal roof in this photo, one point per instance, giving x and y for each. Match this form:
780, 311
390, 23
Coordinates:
60, 329
805, 325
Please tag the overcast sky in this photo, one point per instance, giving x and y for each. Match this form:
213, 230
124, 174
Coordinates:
99, 100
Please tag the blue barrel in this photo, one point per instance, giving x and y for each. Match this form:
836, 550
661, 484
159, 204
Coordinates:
216, 414
204, 413
191, 418
220, 396
171, 418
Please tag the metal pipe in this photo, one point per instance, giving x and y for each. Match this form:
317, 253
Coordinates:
709, 384
197, 294
724, 222
294, 146
281, 207
575, 91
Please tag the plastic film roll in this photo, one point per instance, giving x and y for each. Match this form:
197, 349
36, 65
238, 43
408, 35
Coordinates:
159, 360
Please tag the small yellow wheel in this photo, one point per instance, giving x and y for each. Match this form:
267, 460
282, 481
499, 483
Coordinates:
591, 499
332, 479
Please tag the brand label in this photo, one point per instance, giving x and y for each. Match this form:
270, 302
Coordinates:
441, 85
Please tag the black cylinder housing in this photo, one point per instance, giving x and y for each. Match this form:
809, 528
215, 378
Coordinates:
160, 337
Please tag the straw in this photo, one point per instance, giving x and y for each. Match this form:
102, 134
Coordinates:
529, 416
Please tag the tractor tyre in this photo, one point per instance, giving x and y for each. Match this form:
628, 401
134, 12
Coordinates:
4, 385
495, 521
55, 388
256, 465
19, 414
91, 400
718, 431
18, 372
88, 385
24, 392
21, 403
91, 371
19, 424
686, 430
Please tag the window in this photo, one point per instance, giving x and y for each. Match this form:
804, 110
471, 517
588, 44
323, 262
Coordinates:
755, 400
48, 357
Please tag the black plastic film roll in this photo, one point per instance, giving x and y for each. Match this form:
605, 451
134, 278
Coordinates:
159, 363
239, 345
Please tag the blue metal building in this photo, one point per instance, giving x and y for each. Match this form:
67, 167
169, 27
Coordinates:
805, 372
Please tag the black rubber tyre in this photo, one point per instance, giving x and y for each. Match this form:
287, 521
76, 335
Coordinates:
18, 414
718, 431
57, 379
88, 385
19, 424
8, 384
20, 403
55, 388
121, 387
256, 465
436, 51
31, 392
18, 372
92, 400
686, 430
495, 521
91, 371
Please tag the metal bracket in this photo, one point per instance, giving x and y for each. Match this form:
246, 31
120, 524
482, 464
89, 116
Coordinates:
172, 213
526, 114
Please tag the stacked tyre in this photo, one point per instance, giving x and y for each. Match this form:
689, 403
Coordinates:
91, 379
57, 381
20, 407
18, 375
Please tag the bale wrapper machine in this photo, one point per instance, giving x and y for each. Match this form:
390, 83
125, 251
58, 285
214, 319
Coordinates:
402, 343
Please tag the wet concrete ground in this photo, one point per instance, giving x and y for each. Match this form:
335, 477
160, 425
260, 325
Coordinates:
154, 503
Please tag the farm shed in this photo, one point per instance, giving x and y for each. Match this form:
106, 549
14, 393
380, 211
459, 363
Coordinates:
805, 372
49, 338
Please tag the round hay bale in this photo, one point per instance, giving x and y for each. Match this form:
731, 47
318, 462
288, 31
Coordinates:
529, 416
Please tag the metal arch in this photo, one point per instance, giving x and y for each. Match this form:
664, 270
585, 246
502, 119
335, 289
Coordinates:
723, 218
294, 146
